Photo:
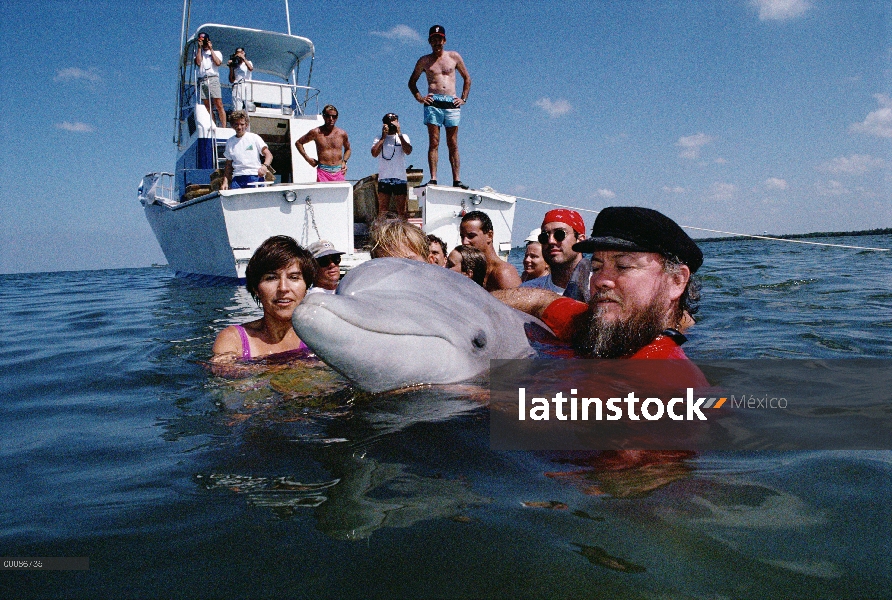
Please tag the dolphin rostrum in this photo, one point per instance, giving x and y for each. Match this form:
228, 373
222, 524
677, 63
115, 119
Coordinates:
395, 322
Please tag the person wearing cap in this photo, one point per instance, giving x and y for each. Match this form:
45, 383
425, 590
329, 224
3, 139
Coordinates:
641, 285
328, 270
207, 59
476, 230
332, 147
534, 266
441, 105
569, 269
391, 149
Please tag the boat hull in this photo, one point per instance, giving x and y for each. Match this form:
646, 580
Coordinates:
215, 235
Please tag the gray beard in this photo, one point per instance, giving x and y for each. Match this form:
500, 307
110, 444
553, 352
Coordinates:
618, 339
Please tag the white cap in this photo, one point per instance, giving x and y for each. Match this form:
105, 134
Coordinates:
534, 235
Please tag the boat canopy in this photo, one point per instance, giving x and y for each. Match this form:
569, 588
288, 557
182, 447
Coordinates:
275, 54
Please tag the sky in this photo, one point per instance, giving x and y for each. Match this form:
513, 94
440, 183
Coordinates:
746, 116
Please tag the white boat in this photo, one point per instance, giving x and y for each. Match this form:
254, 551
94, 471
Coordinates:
210, 232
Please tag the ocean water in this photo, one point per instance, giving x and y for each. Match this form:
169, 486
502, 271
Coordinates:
120, 446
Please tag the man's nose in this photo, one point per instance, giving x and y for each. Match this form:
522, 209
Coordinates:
602, 278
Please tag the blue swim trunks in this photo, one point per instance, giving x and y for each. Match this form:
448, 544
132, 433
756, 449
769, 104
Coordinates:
242, 181
439, 112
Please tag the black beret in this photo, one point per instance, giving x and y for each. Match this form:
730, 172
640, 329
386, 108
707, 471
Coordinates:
641, 230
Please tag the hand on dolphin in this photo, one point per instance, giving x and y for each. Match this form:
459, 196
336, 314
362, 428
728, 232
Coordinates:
395, 322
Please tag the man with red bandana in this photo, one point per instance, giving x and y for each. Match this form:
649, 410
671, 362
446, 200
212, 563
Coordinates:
569, 269
641, 288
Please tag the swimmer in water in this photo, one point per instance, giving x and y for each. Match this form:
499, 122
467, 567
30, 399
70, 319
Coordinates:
468, 261
277, 277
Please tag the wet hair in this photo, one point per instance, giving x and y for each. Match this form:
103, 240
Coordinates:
432, 239
390, 235
277, 253
473, 263
239, 115
478, 215
330, 107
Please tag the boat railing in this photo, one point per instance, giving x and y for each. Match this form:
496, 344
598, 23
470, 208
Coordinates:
156, 188
285, 97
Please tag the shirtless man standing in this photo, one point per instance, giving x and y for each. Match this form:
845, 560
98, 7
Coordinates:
476, 231
441, 106
332, 147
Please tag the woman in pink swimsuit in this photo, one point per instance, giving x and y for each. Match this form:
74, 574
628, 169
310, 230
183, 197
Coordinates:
276, 277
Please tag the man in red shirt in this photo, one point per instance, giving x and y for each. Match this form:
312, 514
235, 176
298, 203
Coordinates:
641, 285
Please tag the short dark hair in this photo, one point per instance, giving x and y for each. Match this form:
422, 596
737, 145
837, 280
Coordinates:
473, 262
330, 107
479, 215
432, 239
276, 253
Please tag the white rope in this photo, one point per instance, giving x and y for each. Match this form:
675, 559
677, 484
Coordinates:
765, 237
758, 237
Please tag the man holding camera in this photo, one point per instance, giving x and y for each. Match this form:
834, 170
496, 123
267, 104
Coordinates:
208, 60
441, 106
239, 72
391, 150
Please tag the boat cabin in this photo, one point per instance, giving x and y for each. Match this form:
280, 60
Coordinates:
280, 110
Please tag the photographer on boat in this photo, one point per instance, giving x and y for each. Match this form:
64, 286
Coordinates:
391, 149
208, 60
239, 72
243, 153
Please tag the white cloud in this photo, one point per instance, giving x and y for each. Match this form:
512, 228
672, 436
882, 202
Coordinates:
722, 191
856, 164
74, 73
76, 127
554, 108
400, 33
605, 193
878, 122
674, 190
831, 188
775, 183
692, 144
781, 10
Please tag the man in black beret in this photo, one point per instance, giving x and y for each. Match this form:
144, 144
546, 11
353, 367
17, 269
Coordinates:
641, 285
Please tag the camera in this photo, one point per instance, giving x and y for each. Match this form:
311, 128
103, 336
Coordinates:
235, 60
388, 120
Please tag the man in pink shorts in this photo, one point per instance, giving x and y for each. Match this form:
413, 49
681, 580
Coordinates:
332, 147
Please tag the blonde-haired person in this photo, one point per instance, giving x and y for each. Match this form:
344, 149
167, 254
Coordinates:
391, 236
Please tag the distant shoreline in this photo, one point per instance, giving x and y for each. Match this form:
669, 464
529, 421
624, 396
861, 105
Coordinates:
797, 236
790, 236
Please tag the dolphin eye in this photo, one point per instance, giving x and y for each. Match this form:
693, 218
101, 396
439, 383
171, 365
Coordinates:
479, 340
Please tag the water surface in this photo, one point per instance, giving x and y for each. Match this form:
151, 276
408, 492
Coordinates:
120, 446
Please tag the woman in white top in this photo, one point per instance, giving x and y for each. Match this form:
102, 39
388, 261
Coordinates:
239, 72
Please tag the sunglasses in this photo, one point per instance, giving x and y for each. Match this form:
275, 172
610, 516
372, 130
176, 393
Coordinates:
558, 234
327, 260
328, 116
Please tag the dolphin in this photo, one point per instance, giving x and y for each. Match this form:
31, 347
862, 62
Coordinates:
395, 322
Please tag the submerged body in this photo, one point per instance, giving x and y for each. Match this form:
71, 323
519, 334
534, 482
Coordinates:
397, 322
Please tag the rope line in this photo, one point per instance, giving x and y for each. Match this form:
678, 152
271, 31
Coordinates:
747, 235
